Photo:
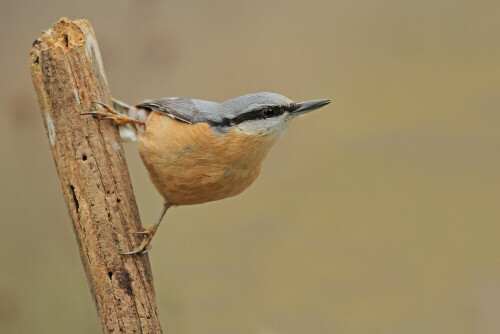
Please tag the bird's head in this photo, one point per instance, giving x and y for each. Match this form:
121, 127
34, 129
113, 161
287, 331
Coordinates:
263, 113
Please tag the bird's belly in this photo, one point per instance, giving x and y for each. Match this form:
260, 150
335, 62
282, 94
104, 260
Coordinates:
184, 182
191, 168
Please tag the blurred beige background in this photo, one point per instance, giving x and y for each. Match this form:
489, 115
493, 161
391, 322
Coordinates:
377, 214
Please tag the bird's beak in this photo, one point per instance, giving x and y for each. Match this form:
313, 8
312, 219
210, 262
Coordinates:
305, 107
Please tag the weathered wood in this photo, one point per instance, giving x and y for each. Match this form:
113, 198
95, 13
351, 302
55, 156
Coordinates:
68, 75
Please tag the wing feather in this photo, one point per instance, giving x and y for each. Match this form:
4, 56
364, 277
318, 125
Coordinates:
180, 108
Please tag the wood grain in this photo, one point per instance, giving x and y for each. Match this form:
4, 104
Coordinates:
68, 75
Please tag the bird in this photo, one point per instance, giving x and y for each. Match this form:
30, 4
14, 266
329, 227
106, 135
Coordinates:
198, 151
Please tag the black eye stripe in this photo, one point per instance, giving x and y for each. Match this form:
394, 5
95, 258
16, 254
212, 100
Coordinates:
261, 113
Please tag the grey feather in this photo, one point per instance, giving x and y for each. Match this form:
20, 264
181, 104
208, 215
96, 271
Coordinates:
201, 111
181, 108
246, 103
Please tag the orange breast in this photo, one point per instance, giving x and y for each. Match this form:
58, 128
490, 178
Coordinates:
192, 163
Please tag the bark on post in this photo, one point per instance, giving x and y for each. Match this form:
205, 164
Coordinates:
68, 75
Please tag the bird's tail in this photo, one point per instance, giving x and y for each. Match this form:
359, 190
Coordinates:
129, 132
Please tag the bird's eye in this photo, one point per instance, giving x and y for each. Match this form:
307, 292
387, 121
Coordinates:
268, 112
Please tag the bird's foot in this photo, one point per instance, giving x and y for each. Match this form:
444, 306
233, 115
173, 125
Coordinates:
113, 115
145, 246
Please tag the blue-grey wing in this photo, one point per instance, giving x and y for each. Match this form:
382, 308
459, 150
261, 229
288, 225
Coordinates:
180, 108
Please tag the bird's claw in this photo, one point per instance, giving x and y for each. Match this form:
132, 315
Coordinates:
110, 113
145, 246
148, 234
138, 251
141, 232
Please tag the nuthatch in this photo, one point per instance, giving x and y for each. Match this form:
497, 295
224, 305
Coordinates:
200, 151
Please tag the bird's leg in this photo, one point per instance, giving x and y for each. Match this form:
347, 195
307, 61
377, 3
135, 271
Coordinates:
148, 233
113, 115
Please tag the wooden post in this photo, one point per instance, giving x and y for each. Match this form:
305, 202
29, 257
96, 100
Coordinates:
68, 75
